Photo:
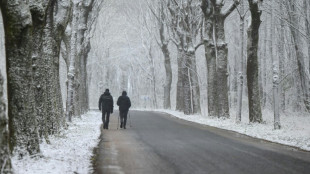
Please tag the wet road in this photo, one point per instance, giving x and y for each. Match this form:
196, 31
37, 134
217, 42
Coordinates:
159, 143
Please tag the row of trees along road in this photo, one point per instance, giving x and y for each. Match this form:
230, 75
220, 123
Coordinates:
34, 32
265, 58
255, 52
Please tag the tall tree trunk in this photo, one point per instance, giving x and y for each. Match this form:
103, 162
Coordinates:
298, 44
255, 113
180, 95
306, 5
40, 59
45, 56
72, 59
217, 63
5, 158
187, 105
211, 67
263, 72
17, 17
221, 67
82, 42
282, 60
168, 81
162, 24
152, 62
275, 71
240, 74
85, 99
194, 81
210, 55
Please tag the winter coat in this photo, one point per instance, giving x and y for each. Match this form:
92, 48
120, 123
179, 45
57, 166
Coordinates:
124, 103
106, 102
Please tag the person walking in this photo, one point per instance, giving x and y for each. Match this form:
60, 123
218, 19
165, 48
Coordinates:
106, 107
124, 104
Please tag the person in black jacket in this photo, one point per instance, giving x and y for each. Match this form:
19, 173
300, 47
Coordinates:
124, 104
106, 107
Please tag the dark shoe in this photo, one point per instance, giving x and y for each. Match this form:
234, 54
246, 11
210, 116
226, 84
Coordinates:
121, 125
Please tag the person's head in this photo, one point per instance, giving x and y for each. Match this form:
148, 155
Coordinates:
124, 93
107, 90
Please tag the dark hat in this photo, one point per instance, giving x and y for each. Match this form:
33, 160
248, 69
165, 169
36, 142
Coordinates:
107, 90
124, 93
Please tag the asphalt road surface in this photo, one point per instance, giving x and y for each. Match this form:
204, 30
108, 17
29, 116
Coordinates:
159, 143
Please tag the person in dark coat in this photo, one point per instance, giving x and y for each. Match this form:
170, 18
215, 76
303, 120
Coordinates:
124, 104
106, 107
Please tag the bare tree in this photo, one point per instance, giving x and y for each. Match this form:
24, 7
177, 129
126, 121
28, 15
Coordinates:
161, 16
215, 17
45, 56
255, 113
242, 14
275, 66
210, 53
298, 45
18, 23
83, 17
72, 60
186, 24
221, 54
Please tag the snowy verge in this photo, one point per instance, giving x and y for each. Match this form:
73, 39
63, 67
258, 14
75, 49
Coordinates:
69, 152
295, 129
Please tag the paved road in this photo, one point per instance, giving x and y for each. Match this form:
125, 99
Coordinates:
159, 143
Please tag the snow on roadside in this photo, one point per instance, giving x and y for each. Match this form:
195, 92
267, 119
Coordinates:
69, 152
295, 130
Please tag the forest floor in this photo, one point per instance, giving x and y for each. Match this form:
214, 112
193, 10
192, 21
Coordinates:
69, 152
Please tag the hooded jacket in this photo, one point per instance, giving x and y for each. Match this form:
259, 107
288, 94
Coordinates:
106, 102
124, 102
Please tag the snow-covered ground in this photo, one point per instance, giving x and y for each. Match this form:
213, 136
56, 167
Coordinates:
295, 129
70, 152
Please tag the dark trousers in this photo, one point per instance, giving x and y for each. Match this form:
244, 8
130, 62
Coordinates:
123, 115
105, 119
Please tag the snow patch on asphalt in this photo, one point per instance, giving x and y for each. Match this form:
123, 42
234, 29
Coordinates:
295, 127
69, 152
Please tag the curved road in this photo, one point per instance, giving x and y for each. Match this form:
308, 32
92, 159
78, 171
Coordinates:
159, 143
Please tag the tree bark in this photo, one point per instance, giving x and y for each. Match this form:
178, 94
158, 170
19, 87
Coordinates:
213, 12
306, 5
263, 85
187, 105
221, 66
45, 56
18, 26
82, 48
255, 113
180, 95
168, 81
210, 55
5, 158
240, 74
275, 72
186, 25
298, 44
282, 60
194, 84
72, 59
